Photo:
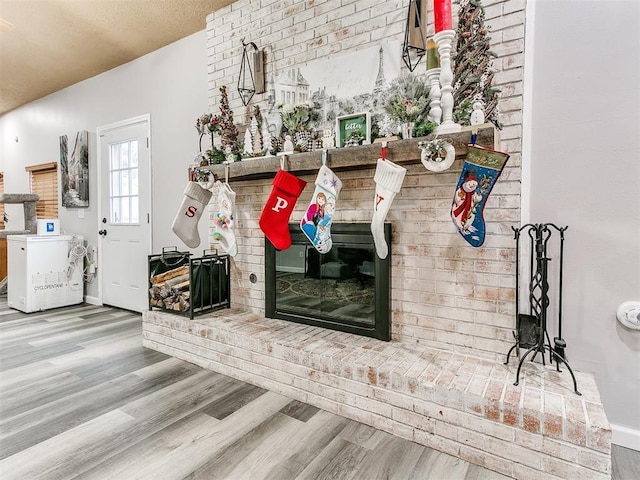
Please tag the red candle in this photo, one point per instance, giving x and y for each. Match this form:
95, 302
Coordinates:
442, 14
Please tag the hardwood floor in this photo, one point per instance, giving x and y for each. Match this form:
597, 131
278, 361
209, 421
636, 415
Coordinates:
80, 398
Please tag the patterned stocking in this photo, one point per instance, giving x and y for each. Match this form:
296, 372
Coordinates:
316, 222
480, 171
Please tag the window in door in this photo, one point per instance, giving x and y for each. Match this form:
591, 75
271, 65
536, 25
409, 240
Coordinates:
124, 193
44, 182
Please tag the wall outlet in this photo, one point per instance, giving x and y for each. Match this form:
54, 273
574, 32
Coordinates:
92, 257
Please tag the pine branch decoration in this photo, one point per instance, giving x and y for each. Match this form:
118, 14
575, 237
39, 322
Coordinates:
258, 116
228, 129
472, 76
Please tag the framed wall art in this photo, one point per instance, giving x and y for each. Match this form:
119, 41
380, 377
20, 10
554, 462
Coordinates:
74, 170
354, 129
348, 83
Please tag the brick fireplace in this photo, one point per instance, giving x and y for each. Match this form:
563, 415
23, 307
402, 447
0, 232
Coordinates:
441, 380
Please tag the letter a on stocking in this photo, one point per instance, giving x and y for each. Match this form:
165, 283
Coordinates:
480, 171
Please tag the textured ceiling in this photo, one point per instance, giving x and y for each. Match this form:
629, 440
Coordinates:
57, 43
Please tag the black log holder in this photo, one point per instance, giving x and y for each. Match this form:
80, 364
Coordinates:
531, 329
207, 289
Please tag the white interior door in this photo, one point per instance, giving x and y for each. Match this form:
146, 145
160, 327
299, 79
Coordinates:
124, 221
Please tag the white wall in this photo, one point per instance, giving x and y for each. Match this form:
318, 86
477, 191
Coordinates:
169, 84
585, 173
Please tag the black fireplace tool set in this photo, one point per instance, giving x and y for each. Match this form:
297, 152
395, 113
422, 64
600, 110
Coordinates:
531, 328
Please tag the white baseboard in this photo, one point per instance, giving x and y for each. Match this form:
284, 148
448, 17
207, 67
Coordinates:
625, 437
92, 300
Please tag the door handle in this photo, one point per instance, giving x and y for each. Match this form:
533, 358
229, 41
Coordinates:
102, 232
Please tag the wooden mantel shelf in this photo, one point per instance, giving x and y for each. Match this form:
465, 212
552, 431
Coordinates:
350, 158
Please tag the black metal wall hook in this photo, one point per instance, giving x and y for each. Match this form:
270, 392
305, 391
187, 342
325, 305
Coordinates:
531, 329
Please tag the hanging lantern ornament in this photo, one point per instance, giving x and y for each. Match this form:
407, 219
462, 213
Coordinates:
246, 83
414, 46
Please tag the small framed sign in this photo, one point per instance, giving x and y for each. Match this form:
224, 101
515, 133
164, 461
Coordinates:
350, 128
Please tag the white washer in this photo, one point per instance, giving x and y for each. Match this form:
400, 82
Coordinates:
44, 272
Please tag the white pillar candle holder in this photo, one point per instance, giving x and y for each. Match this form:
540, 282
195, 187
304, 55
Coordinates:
435, 112
444, 39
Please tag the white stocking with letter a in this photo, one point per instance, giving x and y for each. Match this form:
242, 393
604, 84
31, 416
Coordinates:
388, 179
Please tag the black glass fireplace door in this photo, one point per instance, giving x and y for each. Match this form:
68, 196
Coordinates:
346, 289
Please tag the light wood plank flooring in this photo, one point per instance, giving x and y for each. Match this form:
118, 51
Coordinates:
81, 398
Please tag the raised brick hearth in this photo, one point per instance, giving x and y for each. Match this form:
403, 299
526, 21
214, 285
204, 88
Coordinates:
455, 403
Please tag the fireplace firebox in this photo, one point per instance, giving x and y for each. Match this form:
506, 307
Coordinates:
347, 289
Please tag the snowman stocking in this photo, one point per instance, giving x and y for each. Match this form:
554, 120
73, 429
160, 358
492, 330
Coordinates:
224, 219
388, 179
316, 222
480, 171
185, 224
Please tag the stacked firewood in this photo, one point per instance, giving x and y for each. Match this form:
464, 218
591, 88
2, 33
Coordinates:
170, 290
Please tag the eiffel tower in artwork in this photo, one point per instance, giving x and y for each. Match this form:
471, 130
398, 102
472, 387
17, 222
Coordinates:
381, 82
379, 88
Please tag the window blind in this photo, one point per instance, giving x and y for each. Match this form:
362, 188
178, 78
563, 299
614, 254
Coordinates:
44, 182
